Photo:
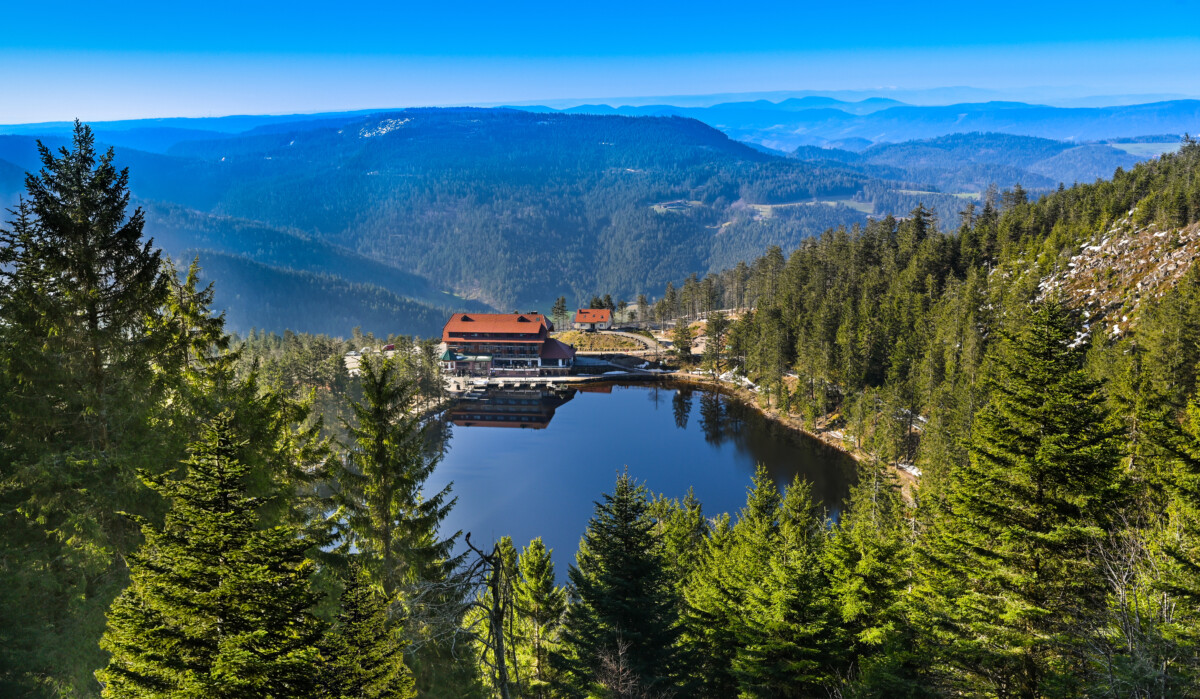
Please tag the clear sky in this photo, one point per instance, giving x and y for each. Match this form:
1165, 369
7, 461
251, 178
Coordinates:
91, 60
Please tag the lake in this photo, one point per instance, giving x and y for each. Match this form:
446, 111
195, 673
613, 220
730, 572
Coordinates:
530, 463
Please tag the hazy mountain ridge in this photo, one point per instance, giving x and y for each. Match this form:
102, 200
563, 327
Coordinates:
970, 162
254, 295
178, 231
784, 126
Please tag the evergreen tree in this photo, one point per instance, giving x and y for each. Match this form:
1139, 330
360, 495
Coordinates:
683, 527
716, 328
362, 656
559, 313
735, 559
389, 518
217, 606
624, 612
541, 605
84, 362
1008, 567
681, 339
103, 281
790, 640
868, 559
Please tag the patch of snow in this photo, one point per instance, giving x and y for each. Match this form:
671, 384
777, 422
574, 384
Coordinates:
383, 127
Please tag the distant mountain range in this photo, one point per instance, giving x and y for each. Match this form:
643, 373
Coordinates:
964, 163
389, 220
790, 123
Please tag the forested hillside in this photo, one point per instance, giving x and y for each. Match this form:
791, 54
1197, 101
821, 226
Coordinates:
468, 208
894, 318
477, 199
177, 520
255, 295
178, 231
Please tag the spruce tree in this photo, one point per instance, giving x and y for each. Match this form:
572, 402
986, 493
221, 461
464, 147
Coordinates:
1008, 569
361, 652
559, 313
103, 281
716, 328
217, 605
681, 340
868, 559
540, 605
735, 559
625, 612
790, 639
80, 294
389, 517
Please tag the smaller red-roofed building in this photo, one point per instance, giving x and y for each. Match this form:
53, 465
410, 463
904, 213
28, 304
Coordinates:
593, 319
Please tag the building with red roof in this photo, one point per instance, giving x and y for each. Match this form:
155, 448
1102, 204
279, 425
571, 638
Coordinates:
593, 319
484, 343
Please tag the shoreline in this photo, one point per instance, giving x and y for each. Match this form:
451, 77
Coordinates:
827, 438
907, 480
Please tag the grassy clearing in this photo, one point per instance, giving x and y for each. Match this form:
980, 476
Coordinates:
768, 210
597, 342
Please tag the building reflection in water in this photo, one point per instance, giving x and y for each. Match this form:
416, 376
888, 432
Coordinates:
528, 408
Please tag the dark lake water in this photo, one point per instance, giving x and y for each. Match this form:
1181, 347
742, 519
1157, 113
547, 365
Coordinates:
528, 464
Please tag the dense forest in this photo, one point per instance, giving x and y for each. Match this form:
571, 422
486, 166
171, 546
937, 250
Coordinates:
178, 518
451, 209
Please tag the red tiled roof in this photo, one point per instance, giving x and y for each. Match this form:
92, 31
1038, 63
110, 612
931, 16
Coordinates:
593, 315
553, 349
462, 325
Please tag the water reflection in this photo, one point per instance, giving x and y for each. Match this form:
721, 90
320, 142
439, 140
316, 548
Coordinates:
527, 408
672, 437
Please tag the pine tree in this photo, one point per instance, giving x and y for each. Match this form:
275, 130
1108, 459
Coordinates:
540, 605
80, 294
217, 606
362, 655
389, 517
1180, 537
624, 609
681, 339
394, 524
715, 331
868, 559
1008, 568
105, 281
559, 313
735, 558
790, 640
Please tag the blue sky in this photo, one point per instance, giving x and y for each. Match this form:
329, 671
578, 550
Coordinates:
91, 61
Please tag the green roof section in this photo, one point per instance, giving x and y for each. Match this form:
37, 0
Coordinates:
449, 356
